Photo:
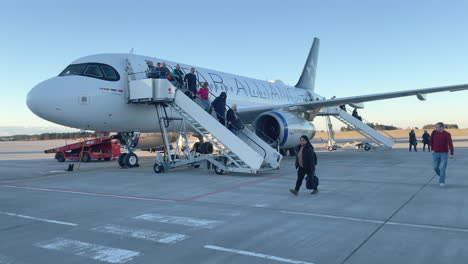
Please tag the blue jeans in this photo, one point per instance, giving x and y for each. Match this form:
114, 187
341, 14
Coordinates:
439, 162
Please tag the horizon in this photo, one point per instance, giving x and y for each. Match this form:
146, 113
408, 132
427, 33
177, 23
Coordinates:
366, 48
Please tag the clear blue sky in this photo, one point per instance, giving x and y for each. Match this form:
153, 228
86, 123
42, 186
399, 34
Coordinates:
366, 47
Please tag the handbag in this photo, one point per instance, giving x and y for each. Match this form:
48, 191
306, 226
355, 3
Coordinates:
312, 182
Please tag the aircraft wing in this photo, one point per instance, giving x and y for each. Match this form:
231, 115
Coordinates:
250, 112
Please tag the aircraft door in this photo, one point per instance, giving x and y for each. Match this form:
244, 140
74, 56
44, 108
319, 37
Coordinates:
137, 67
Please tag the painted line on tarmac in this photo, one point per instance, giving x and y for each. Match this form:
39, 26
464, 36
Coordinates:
456, 229
39, 219
178, 220
237, 186
93, 193
145, 234
336, 217
83, 249
258, 255
143, 197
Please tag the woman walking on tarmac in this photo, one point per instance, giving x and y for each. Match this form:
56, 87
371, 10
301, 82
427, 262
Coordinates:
306, 160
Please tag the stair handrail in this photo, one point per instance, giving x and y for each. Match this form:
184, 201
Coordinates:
367, 122
227, 107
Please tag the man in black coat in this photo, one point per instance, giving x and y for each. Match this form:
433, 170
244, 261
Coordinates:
412, 140
306, 160
219, 106
426, 141
191, 80
151, 72
233, 121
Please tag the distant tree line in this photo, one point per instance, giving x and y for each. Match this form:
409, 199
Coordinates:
47, 136
449, 126
375, 126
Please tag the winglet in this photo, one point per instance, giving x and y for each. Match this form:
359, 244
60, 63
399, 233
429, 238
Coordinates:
307, 80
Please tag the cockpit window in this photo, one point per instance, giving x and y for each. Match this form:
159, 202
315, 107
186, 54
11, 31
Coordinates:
109, 73
74, 69
94, 70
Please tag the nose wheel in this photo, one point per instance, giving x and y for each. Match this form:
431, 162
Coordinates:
128, 160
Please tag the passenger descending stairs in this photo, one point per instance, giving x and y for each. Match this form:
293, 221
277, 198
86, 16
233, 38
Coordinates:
245, 152
381, 141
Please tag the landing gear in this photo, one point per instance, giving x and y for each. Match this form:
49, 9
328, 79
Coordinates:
292, 152
283, 152
128, 160
131, 160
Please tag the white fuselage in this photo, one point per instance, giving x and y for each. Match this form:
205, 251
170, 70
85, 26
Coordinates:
94, 104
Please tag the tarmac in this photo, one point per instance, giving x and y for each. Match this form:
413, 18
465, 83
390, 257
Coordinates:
372, 207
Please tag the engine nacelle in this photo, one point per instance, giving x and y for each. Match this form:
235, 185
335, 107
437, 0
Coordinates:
283, 127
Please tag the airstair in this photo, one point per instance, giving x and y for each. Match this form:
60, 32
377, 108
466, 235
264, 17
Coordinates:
244, 152
378, 140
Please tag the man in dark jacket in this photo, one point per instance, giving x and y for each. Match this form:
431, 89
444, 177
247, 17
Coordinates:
191, 80
164, 71
441, 142
426, 141
219, 106
178, 76
306, 160
233, 121
412, 140
151, 72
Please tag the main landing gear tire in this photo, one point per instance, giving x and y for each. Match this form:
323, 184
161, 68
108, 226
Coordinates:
367, 148
130, 160
283, 152
292, 152
121, 160
218, 170
60, 157
158, 168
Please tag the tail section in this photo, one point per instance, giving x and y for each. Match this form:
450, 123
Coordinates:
307, 80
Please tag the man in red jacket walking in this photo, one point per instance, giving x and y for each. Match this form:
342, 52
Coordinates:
441, 142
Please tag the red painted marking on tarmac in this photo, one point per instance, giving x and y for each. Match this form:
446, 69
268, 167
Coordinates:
235, 187
145, 197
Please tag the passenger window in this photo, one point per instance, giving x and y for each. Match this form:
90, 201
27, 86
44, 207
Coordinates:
109, 73
94, 71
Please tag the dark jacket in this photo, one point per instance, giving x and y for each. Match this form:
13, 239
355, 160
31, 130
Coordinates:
151, 73
309, 158
426, 138
191, 80
412, 137
219, 105
233, 120
164, 72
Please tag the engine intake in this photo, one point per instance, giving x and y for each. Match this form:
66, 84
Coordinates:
282, 127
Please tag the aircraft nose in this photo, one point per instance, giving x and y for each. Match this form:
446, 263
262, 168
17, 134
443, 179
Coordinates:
46, 99
35, 99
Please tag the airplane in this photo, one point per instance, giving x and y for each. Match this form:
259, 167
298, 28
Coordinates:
92, 93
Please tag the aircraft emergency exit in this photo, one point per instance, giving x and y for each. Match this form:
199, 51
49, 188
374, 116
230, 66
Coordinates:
92, 93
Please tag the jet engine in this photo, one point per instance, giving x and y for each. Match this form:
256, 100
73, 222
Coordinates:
282, 127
